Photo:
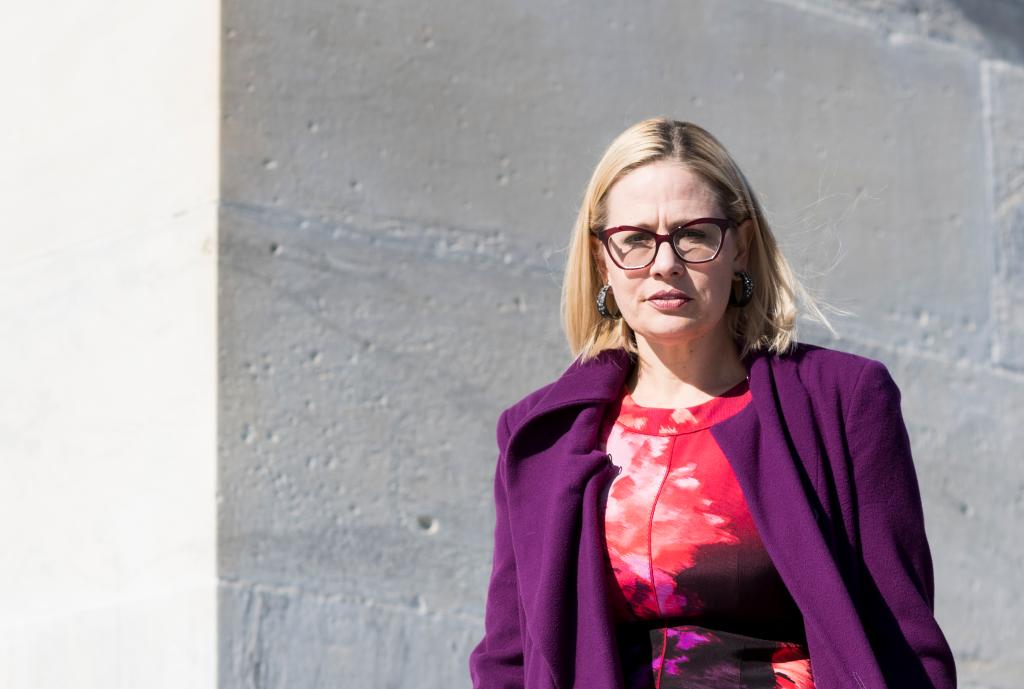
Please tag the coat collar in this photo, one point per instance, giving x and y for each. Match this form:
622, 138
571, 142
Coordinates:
596, 381
600, 380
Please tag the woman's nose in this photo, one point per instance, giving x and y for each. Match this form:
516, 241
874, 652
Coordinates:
666, 262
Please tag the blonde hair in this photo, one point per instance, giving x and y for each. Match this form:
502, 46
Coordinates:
768, 321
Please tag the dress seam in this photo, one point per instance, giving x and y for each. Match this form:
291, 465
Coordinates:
650, 561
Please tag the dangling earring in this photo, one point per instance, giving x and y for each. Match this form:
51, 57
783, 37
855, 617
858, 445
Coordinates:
748, 289
602, 307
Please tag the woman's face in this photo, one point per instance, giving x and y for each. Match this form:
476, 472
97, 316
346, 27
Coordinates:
660, 196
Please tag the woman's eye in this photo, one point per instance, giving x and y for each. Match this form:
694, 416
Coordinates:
691, 234
637, 238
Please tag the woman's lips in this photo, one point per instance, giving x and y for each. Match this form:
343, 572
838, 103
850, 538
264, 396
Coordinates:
667, 304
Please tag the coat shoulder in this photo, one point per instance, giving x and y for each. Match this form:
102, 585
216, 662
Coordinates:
824, 370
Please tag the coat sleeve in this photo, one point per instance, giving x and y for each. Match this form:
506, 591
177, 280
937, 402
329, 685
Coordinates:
497, 660
898, 594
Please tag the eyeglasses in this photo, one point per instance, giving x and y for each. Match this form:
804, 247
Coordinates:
698, 241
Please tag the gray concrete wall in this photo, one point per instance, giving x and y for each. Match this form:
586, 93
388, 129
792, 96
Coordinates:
399, 180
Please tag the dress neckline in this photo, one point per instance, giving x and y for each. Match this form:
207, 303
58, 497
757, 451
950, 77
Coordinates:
667, 421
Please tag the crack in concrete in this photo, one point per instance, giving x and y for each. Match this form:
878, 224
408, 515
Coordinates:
253, 589
899, 24
433, 240
989, 368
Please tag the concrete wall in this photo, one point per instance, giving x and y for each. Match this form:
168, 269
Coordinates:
107, 300
399, 179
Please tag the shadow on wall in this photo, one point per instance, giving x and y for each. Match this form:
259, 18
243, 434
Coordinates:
1002, 23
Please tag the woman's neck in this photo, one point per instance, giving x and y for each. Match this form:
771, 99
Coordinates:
684, 374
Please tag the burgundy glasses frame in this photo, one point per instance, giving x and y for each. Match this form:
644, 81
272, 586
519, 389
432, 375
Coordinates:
722, 223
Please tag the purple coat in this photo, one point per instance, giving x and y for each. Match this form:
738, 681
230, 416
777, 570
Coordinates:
823, 458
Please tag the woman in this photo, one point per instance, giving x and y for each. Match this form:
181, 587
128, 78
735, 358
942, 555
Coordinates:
700, 500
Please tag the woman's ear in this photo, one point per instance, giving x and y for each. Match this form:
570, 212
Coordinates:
597, 252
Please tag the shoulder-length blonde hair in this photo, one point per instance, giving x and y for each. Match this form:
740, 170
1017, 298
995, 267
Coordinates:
767, 322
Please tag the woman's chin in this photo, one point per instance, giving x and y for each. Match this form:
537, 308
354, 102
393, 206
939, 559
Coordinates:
679, 332
673, 336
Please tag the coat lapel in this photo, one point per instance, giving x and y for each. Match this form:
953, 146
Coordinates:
776, 460
555, 474
598, 381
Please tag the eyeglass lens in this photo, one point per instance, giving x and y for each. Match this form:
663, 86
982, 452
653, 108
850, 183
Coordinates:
635, 248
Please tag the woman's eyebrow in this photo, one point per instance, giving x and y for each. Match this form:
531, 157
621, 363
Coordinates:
675, 223
652, 226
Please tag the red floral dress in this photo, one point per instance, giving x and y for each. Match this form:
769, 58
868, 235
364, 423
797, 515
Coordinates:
696, 599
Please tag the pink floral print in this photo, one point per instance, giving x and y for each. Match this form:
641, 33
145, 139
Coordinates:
697, 601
